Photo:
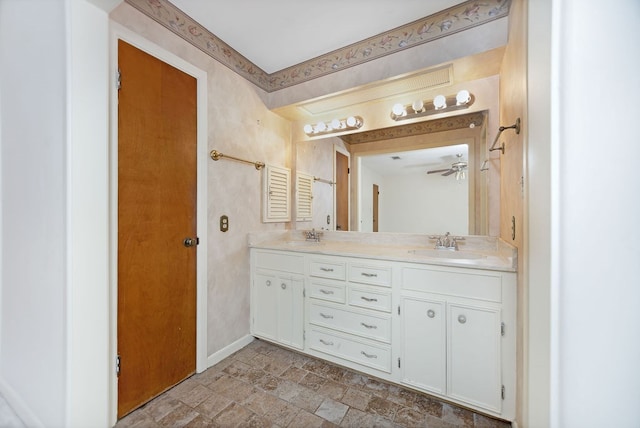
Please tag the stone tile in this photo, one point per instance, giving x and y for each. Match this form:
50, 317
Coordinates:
428, 405
208, 376
179, 417
356, 419
199, 422
261, 361
261, 402
257, 421
377, 387
481, 421
409, 417
287, 390
457, 416
276, 367
332, 410
232, 388
308, 400
402, 396
136, 419
333, 390
269, 383
334, 373
356, 398
307, 420
354, 379
382, 407
294, 374
232, 416
244, 355
316, 366
282, 414
263, 347
312, 381
244, 372
213, 405
433, 422
196, 396
161, 406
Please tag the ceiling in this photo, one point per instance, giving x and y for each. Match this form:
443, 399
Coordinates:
408, 162
299, 30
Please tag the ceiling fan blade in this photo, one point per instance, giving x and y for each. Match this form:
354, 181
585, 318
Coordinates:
449, 172
437, 170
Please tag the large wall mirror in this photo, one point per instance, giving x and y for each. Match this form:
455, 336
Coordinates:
424, 177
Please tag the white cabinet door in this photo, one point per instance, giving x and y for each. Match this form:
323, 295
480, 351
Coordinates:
289, 312
265, 305
423, 361
474, 355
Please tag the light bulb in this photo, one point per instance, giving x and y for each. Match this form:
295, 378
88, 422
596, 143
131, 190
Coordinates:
440, 102
336, 124
321, 127
398, 110
417, 106
352, 122
308, 129
463, 97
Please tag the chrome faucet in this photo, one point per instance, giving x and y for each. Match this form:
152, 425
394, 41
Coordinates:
446, 241
312, 235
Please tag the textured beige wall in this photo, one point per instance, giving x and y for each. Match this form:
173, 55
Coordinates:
513, 102
239, 125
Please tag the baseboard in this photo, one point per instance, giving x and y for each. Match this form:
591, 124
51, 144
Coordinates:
228, 350
19, 407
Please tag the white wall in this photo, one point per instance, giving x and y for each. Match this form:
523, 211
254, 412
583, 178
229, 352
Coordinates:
585, 324
34, 197
367, 178
421, 203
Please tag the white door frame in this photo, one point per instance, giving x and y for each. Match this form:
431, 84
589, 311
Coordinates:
119, 32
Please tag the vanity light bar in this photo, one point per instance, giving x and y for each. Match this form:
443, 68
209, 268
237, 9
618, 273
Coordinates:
440, 104
335, 125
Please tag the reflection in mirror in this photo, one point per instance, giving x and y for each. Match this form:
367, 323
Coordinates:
432, 211
415, 191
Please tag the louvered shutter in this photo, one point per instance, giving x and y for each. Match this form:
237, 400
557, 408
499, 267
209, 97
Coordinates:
304, 197
276, 201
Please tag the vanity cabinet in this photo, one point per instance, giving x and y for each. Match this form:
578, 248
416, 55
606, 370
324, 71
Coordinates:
444, 330
349, 312
453, 334
277, 297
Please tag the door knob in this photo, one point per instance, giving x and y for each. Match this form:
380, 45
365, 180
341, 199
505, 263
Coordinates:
191, 242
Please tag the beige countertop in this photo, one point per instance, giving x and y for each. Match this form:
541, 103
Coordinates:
477, 252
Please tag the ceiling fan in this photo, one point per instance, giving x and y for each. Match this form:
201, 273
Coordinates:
459, 167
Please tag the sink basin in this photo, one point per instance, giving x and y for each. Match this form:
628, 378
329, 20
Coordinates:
303, 243
444, 254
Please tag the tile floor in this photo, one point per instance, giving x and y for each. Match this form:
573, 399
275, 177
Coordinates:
263, 385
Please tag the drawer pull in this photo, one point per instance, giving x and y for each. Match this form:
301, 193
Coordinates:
431, 313
324, 342
327, 317
368, 299
368, 355
369, 275
462, 319
368, 326
283, 286
324, 269
323, 291
268, 283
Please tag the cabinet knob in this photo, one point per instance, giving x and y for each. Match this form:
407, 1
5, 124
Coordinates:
462, 319
431, 313
283, 286
268, 283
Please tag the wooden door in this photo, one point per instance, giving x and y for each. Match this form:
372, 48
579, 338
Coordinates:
156, 212
376, 192
342, 191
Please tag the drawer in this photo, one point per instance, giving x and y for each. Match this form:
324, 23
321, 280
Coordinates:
376, 275
327, 269
377, 327
279, 261
326, 290
477, 285
365, 298
352, 349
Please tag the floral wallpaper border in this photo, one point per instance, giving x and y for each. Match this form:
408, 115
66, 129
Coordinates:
450, 21
419, 128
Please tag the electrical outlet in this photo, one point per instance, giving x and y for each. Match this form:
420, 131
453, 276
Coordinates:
224, 223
